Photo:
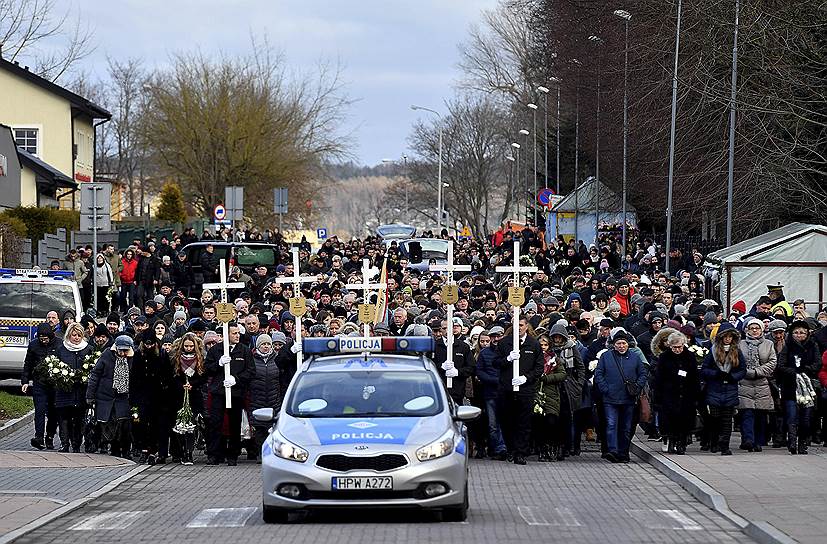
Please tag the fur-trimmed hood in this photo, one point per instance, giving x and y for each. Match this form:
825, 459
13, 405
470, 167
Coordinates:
658, 344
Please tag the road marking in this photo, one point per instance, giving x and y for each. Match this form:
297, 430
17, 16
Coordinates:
548, 517
221, 517
108, 520
664, 519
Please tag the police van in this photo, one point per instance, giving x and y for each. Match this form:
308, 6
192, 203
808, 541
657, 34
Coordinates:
26, 296
367, 422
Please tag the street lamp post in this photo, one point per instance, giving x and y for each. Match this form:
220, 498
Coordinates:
512, 160
626, 16
544, 90
597, 40
576, 148
732, 96
525, 132
533, 108
405, 163
672, 141
439, 168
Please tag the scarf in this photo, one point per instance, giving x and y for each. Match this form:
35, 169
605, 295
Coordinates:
75, 347
753, 358
804, 393
550, 363
188, 360
120, 378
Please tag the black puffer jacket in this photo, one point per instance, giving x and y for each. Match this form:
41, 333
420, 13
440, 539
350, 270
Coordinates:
266, 389
796, 358
35, 353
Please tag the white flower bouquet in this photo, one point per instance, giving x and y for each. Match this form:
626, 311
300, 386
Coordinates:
699, 352
88, 364
61, 375
184, 420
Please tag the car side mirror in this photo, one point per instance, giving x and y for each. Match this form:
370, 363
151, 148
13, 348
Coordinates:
464, 413
265, 415
415, 252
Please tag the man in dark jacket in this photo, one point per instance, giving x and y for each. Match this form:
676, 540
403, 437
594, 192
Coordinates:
242, 371
460, 369
146, 277
488, 372
43, 394
517, 406
182, 275
209, 264
151, 390
108, 393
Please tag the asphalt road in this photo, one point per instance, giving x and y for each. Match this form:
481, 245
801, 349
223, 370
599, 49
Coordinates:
583, 499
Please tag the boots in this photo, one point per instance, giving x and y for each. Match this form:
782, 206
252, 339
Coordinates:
63, 431
545, 455
792, 438
670, 445
37, 443
680, 446
802, 446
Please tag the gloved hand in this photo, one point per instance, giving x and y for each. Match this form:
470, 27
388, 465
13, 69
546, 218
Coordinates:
296, 347
513, 356
224, 360
451, 373
448, 365
229, 382
519, 380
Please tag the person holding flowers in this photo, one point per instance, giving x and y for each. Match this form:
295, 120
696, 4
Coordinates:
36, 378
187, 356
70, 393
108, 393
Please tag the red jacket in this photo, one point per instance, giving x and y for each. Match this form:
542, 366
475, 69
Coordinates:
822, 374
130, 267
625, 303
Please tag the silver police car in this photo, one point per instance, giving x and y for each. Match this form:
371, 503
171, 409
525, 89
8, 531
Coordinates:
367, 422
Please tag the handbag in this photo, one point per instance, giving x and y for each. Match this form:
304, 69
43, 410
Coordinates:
631, 387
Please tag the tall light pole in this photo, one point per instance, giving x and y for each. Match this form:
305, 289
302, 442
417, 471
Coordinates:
672, 141
511, 159
732, 95
597, 40
626, 16
544, 91
405, 163
556, 81
576, 148
525, 132
533, 108
439, 168
515, 180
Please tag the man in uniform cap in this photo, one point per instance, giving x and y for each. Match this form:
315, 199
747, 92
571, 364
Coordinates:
776, 293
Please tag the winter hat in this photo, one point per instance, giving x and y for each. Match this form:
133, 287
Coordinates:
133, 311
559, 329
496, 329
114, 318
160, 300
101, 330
180, 314
417, 329
123, 342
278, 337
777, 325
44, 329
197, 325
621, 335
727, 328
263, 339
476, 331
212, 336
636, 298
680, 309
530, 306
710, 319
740, 306
661, 307
381, 327
614, 305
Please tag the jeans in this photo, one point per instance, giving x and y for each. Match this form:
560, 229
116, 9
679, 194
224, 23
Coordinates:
45, 413
753, 427
496, 444
126, 298
618, 427
797, 420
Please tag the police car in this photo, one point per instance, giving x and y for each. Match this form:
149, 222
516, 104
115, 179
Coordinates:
26, 296
366, 423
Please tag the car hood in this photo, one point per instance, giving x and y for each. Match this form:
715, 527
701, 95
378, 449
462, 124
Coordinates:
362, 430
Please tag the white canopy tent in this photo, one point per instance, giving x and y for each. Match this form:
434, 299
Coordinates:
794, 256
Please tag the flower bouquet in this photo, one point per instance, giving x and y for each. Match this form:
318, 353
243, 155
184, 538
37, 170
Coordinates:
184, 420
699, 352
88, 364
136, 416
61, 376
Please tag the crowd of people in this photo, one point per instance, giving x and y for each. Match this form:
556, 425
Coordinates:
606, 344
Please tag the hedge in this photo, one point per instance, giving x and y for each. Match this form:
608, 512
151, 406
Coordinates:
40, 221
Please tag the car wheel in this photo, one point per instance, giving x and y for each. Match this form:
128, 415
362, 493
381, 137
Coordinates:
457, 513
273, 514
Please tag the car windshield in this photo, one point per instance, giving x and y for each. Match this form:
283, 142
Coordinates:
253, 256
35, 300
365, 394
396, 231
433, 249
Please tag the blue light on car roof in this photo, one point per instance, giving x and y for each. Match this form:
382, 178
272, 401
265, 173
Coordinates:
373, 344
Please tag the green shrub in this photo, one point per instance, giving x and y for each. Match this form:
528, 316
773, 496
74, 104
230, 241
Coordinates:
40, 221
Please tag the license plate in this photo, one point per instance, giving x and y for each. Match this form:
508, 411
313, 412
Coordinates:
17, 341
360, 483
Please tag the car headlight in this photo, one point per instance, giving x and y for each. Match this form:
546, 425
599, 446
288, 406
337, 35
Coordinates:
439, 448
287, 450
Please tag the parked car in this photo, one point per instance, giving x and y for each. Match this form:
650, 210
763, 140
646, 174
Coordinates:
245, 255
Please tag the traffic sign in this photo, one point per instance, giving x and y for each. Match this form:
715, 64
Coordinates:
544, 196
220, 212
466, 232
321, 233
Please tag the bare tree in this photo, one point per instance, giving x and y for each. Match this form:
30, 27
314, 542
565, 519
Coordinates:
36, 31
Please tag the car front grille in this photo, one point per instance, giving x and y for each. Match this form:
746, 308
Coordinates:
345, 463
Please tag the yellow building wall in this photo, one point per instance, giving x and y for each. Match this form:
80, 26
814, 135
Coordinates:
25, 104
28, 188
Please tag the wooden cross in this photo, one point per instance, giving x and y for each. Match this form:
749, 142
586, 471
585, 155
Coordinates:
299, 301
450, 268
516, 269
223, 285
365, 287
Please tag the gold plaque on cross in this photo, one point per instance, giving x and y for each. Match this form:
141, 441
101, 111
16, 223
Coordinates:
298, 306
450, 294
516, 296
366, 313
224, 312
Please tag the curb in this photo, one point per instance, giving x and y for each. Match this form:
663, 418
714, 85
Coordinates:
15, 424
69, 507
761, 531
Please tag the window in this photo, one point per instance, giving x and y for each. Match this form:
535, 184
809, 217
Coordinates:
26, 139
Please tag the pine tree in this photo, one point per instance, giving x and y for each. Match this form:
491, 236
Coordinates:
172, 207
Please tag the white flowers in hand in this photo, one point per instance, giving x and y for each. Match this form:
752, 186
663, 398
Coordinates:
592, 365
229, 382
451, 372
519, 380
513, 356
224, 360
190, 372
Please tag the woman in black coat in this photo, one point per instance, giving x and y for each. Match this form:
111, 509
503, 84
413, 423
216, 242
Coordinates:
798, 357
676, 383
266, 389
71, 405
187, 356
108, 393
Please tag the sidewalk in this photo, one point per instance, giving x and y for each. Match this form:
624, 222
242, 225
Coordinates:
786, 491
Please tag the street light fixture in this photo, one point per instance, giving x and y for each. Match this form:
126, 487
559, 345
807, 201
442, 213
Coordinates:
439, 168
525, 133
626, 16
556, 81
533, 108
732, 96
598, 41
407, 181
672, 141
544, 90
578, 64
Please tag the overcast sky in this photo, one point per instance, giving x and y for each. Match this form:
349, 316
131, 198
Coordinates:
394, 52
